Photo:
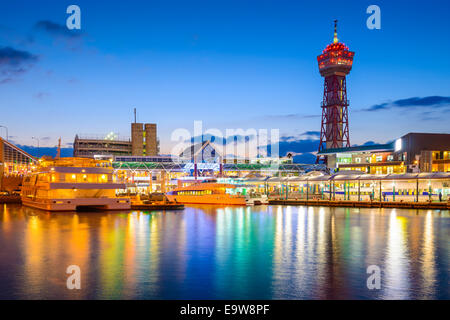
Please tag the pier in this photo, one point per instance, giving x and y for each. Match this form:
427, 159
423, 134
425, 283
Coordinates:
363, 204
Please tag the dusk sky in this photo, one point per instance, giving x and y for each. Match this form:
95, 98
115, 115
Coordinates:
231, 64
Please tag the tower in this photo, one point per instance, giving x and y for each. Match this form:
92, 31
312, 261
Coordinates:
335, 63
144, 140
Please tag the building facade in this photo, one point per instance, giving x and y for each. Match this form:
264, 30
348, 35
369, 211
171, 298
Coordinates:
88, 147
144, 139
14, 164
413, 152
143, 142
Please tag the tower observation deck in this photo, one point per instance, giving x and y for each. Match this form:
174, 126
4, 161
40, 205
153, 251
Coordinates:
335, 63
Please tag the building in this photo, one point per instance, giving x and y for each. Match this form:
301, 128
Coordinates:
144, 139
199, 161
14, 163
359, 186
143, 142
414, 152
109, 145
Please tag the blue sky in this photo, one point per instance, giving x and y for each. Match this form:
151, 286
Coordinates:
231, 64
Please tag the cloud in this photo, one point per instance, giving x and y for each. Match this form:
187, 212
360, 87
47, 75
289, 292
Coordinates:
306, 157
220, 140
41, 95
413, 102
307, 135
57, 30
14, 58
311, 133
14, 62
292, 116
303, 149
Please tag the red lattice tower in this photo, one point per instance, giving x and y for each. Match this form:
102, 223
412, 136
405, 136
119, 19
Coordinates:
335, 63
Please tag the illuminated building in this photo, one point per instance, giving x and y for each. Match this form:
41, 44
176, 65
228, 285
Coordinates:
14, 163
335, 63
109, 145
414, 152
143, 142
149, 173
359, 186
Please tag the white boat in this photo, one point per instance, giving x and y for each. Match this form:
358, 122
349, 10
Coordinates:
256, 199
69, 184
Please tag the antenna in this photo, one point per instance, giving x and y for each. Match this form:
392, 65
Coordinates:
335, 39
58, 153
134, 115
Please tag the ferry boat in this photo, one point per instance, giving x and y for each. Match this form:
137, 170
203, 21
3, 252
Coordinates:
208, 192
68, 184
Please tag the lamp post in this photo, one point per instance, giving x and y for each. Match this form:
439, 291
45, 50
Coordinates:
429, 191
6, 128
393, 191
37, 139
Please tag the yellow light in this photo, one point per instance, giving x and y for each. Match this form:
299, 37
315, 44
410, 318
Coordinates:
74, 176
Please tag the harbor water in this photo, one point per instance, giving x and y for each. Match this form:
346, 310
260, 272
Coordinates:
213, 252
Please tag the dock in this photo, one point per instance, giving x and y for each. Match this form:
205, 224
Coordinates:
10, 199
157, 206
363, 204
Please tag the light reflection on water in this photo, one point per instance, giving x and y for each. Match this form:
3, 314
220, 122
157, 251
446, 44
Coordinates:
205, 252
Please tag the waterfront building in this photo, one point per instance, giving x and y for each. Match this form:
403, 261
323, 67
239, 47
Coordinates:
413, 152
358, 186
143, 142
14, 164
199, 162
90, 146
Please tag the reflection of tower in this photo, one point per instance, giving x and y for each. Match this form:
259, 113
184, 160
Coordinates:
335, 63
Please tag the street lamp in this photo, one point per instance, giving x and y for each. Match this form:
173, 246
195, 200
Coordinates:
37, 139
6, 128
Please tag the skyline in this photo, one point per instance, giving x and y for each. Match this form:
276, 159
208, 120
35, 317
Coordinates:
210, 61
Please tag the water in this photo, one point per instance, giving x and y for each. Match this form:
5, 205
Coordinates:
205, 252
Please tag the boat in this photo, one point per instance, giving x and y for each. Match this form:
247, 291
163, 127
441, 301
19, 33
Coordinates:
257, 199
208, 192
69, 184
138, 203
